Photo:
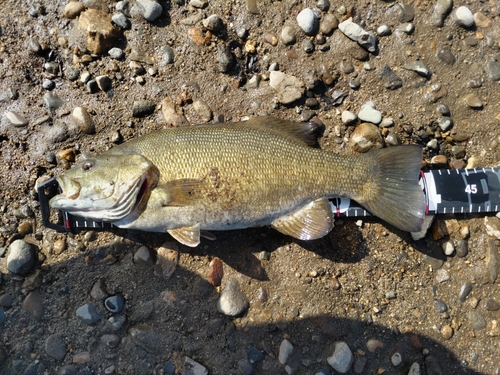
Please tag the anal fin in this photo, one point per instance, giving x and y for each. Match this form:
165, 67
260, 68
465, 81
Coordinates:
189, 236
310, 222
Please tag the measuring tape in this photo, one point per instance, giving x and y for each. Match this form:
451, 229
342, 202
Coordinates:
447, 191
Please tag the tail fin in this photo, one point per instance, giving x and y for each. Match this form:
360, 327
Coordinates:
400, 200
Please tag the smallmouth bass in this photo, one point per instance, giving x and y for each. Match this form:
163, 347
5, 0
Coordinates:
238, 175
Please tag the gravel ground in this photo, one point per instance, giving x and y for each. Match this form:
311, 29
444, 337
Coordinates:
366, 299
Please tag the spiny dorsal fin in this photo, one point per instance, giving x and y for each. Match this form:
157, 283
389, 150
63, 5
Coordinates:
310, 222
189, 236
304, 132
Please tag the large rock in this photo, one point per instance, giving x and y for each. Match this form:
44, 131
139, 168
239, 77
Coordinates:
101, 34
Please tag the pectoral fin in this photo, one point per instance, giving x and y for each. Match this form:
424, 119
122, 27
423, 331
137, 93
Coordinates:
182, 192
310, 222
189, 236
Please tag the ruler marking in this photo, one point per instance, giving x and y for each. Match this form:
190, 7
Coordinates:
493, 169
458, 171
444, 210
439, 170
496, 205
462, 209
484, 170
467, 172
470, 208
448, 171
479, 209
475, 170
453, 210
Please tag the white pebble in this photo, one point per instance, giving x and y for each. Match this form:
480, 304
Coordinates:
448, 248
463, 17
383, 30
286, 348
370, 114
307, 21
348, 117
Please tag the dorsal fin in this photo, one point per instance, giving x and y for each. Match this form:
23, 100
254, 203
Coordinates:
304, 132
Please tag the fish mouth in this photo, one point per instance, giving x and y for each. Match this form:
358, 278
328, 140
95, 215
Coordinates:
118, 205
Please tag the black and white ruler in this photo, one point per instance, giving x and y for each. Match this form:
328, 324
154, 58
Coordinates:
447, 191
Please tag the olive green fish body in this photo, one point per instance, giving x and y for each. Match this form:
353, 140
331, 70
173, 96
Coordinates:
262, 172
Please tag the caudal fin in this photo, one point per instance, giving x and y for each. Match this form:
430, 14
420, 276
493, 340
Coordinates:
400, 200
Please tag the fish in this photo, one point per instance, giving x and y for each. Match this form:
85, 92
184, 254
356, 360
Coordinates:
261, 172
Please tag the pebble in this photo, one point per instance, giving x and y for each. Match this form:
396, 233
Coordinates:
390, 79
439, 160
442, 275
142, 257
446, 56
414, 369
59, 246
82, 118
71, 73
355, 32
342, 358
473, 101
142, 108
445, 123
48, 84
420, 68
98, 291
73, 9
370, 114
150, 10
191, 367
328, 24
115, 303
308, 46
52, 101
323, 5
492, 260
407, 28
396, 359
245, 367
288, 87
447, 332
116, 322
216, 272
21, 257
481, 20
476, 320
348, 117
441, 10
441, 306
88, 314
6, 300
121, 21
172, 114
225, 58
458, 152
462, 248
465, 291
383, 30
288, 35
111, 340
100, 33
307, 21
366, 137
391, 294
433, 143
33, 304
68, 370
103, 82
167, 259
136, 68
168, 54
116, 53
212, 23
200, 4
232, 301
55, 347
254, 355
16, 119
286, 349
463, 17
492, 305
493, 70
203, 110
145, 337
448, 248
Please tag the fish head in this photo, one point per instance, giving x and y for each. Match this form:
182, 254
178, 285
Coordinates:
105, 188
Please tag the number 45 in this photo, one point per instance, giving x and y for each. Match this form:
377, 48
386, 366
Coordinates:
471, 189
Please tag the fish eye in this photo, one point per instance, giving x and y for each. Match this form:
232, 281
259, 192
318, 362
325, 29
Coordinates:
87, 166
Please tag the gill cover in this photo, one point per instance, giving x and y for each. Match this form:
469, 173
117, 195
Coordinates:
107, 187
